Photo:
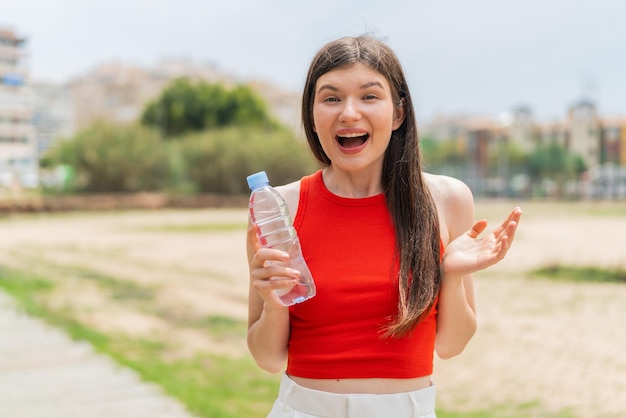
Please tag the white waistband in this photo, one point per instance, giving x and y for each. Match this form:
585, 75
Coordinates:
419, 403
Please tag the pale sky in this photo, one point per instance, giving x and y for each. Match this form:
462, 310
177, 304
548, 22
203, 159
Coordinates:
472, 57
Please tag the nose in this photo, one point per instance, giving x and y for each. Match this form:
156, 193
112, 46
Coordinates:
350, 111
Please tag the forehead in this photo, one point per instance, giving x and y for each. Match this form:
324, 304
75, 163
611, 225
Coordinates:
351, 76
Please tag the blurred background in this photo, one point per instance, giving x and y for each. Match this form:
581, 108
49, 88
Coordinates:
518, 98
110, 110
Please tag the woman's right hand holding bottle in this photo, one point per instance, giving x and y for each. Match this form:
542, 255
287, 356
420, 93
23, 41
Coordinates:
268, 273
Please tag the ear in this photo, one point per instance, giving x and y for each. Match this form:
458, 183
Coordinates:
399, 115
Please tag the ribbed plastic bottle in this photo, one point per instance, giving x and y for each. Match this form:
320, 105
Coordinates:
269, 212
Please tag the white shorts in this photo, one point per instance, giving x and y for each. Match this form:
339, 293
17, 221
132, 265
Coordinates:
295, 401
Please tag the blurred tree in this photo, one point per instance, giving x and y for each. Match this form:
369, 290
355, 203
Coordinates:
186, 106
546, 161
110, 158
447, 157
552, 162
218, 161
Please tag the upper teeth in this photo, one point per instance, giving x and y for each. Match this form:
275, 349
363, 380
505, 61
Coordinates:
352, 135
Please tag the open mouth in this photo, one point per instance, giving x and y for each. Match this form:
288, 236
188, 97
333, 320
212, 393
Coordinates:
352, 140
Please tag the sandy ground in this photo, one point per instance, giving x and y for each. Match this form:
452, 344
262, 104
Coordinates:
558, 347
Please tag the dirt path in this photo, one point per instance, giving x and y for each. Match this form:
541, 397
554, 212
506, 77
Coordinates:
557, 345
191, 275
44, 374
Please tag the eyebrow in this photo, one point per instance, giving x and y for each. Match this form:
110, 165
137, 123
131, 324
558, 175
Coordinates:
364, 86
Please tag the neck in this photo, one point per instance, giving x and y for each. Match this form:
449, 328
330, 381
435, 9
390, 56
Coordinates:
352, 185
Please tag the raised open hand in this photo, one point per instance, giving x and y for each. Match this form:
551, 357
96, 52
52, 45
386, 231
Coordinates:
469, 253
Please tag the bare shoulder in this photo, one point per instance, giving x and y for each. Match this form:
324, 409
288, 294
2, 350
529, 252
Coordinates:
454, 200
448, 189
291, 193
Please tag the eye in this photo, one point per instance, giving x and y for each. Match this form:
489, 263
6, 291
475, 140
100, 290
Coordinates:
370, 97
331, 99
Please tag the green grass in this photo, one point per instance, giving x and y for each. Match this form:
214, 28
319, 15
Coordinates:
526, 410
222, 326
119, 288
25, 289
209, 385
582, 274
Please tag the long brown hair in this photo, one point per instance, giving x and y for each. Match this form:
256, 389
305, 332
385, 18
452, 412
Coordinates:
411, 206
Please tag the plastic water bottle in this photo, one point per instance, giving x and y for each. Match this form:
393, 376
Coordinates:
269, 212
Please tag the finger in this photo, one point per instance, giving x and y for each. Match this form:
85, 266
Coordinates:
503, 230
268, 262
267, 289
477, 228
252, 237
277, 271
268, 286
502, 248
505, 225
265, 255
279, 279
514, 216
503, 239
502, 227
510, 231
272, 255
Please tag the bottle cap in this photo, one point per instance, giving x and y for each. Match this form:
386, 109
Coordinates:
257, 180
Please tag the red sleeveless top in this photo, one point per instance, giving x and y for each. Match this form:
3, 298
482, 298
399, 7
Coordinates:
349, 245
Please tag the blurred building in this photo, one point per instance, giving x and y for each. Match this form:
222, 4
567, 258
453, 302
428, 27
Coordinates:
118, 92
112, 92
613, 140
599, 142
18, 145
608, 180
444, 127
555, 133
53, 116
284, 104
583, 125
522, 129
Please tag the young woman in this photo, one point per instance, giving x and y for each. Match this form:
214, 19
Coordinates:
391, 249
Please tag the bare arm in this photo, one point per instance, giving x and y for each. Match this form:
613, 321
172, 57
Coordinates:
456, 318
466, 253
268, 319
